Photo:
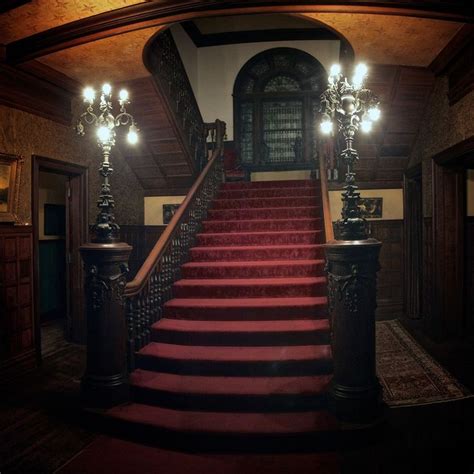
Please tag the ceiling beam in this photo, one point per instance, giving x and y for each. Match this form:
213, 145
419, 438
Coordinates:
150, 14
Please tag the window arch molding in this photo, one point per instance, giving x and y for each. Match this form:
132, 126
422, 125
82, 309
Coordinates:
276, 102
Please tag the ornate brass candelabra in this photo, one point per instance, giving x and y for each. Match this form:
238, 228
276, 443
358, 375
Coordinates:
353, 107
105, 229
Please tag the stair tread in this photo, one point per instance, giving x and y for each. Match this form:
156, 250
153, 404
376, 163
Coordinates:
225, 422
225, 385
247, 302
255, 247
250, 281
189, 325
236, 353
252, 263
261, 233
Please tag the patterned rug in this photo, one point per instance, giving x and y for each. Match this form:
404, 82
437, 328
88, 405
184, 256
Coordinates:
409, 375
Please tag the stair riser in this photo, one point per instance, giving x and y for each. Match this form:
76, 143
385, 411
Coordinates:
275, 271
247, 339
235, 254
246, 314
322, 439
229, 368
263, 239
262, 225
235, 403
268, 193
257, 203
264, 213
251, 291
296, 183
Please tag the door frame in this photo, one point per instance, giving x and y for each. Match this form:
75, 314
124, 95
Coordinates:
449, 182
413, 290
71, 170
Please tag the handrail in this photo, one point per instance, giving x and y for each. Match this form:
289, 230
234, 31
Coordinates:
323, 174
136, 285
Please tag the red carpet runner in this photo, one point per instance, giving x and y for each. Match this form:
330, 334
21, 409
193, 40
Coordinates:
243, 348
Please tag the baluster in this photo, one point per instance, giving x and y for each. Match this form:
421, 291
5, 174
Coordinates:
146, 314
131, 334
138, 322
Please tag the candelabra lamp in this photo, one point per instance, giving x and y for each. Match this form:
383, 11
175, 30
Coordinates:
105, 229
352, 260
353, 107
105, 381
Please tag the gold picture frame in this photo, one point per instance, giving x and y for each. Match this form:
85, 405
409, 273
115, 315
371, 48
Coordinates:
10, 175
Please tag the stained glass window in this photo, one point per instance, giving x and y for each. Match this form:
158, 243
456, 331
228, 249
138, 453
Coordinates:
282, 130
282, 84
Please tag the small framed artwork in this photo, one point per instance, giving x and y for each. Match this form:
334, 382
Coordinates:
169, 211
10, 173
372, 208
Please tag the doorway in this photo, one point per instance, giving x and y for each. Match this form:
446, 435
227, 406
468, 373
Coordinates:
452, 236
59, 198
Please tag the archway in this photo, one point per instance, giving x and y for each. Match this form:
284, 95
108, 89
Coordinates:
276, 104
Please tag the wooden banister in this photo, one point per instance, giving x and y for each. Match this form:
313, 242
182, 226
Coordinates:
323, 174
136, 285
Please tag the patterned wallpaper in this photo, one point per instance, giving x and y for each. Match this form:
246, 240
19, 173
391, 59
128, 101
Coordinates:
389, 39
25, 134
40, 15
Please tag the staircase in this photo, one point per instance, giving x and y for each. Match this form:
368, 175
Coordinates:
243, 347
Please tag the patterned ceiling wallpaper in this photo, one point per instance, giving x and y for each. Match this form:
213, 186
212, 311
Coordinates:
389, 39
40, 15
117, 59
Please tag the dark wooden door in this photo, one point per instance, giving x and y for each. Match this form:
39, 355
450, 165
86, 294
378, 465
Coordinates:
449, 210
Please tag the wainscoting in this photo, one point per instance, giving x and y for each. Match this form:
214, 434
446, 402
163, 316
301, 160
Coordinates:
142, 238
391, 275
16, 295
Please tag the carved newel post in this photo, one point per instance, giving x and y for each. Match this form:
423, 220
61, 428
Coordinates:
105, 382
352, 262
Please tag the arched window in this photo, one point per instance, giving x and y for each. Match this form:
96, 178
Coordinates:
276, 103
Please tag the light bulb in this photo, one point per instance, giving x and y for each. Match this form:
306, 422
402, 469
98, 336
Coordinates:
103, 133
335, 70
326, 127
132, 135
89, 95
366, 125
107, 88
123, 95
360, 74
361, 70
374, 113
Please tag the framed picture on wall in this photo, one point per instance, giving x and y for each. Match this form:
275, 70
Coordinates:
372, 208
169, 211
10, 172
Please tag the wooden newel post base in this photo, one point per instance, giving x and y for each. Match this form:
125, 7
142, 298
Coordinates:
352, 267
104, 383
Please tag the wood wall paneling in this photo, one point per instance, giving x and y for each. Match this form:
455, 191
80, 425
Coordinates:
142, 238
16, 292
469, 283
390, 278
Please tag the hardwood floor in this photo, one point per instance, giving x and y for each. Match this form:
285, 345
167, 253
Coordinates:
40, 426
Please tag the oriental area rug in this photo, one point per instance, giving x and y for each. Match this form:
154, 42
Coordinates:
408, 374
